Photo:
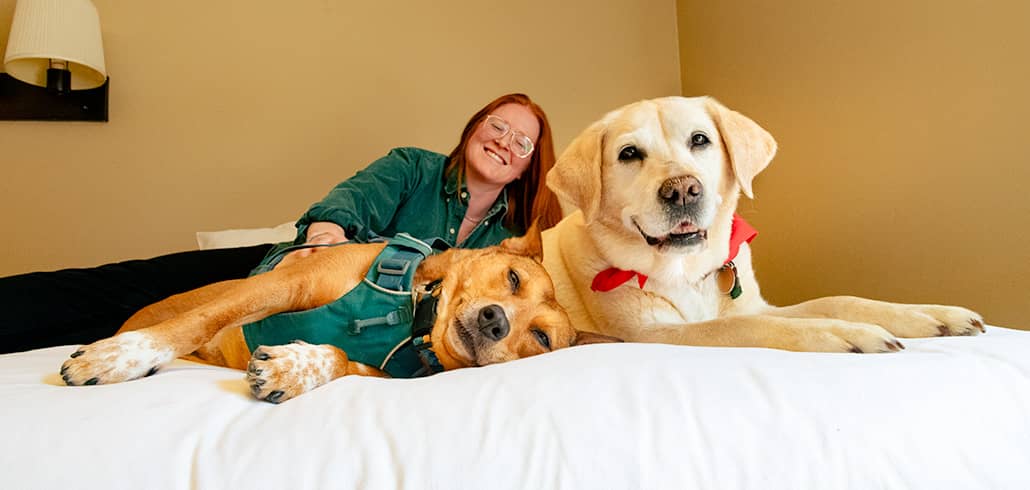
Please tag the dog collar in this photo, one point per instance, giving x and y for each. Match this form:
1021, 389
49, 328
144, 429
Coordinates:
422, 328
740, 232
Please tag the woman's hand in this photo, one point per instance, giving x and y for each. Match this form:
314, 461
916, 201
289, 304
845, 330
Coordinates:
319, 233
324, 232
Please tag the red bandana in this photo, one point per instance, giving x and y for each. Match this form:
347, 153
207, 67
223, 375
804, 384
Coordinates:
611, 278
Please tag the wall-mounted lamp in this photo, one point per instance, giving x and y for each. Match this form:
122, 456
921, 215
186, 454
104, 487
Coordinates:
54, 63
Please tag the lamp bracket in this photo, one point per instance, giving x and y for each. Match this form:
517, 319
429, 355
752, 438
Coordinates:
20, 101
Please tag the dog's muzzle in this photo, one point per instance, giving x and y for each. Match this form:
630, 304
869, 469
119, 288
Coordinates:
681, 199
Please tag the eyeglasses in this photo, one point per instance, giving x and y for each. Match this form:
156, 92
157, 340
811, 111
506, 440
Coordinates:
498, 128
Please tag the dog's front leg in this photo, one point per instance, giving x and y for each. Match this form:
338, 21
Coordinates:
793, 334
139, 353
280, 372
902, 320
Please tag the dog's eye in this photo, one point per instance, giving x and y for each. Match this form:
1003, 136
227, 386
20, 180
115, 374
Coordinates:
631, 153
699, 139
542, 338
513, 280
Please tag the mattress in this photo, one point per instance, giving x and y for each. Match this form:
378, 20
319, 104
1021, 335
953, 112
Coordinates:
944, 413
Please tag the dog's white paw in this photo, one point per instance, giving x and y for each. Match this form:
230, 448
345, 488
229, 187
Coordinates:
120, 358
844, 336
280, 372
931, 321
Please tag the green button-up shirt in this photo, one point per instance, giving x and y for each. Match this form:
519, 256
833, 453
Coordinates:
406, 191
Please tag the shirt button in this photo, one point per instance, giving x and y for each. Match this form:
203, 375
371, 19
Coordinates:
464, 195
452, 231
486, 223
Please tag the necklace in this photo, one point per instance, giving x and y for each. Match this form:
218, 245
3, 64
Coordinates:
473, 221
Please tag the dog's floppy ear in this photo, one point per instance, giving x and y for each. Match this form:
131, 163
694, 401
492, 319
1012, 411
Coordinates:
529, 245
583, 338
437, 266
576, 176
750, 147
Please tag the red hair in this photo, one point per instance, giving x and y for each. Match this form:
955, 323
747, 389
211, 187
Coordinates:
529, 198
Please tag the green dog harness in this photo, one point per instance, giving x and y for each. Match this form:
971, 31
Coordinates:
377, 323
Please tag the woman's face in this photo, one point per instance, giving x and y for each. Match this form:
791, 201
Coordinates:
493, 159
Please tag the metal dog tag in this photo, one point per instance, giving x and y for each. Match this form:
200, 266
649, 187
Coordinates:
728, 281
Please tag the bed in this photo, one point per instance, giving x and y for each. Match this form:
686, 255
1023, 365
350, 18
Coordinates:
944, 413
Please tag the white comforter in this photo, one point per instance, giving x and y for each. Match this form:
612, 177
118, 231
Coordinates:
945, 413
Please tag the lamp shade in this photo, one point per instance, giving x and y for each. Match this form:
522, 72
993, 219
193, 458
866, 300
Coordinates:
66, 30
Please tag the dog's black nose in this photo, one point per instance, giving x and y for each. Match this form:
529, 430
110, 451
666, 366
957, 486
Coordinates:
680, 191
493, 323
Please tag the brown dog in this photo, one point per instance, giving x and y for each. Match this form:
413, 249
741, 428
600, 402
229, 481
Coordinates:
505, 283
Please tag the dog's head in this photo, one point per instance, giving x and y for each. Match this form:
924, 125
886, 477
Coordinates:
497, 304
663, 174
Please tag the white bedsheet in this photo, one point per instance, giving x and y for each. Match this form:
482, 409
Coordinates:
945, 413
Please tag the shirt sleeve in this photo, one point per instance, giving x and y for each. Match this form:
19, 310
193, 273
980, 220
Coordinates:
368, 201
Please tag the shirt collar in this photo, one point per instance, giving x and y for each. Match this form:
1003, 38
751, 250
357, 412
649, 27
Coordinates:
451, 186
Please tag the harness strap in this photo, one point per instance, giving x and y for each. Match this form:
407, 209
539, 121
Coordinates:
420, 340
392, 273
430, 364
425, 313
395, 267
422, 327
394, 270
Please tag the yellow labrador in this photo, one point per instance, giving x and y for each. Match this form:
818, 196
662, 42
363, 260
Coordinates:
655, 253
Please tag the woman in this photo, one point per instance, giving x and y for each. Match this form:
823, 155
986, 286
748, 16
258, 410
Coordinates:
490, 187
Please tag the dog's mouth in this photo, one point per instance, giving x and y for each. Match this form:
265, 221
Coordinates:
685, 234
468, 341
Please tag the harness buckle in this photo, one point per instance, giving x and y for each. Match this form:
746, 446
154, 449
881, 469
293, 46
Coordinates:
393, 267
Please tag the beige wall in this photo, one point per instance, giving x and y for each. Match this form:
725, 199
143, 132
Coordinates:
904, 161
901, 123
242, 113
